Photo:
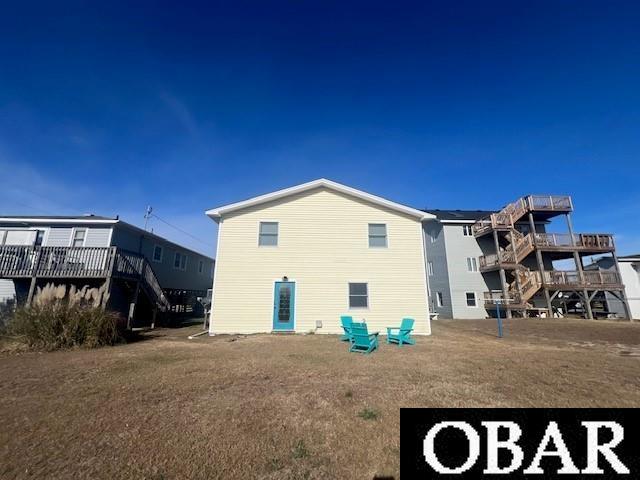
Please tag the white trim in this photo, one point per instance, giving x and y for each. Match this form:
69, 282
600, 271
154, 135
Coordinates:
322, 182
475, 296
474, 265
386, 235
73, 235
349, 307
459, 222
55, 220
426, 278
260, 222
215, 276
111, 235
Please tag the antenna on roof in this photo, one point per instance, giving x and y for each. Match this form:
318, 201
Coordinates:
147, 215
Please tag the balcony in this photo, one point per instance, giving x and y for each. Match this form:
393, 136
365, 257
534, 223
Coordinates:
549, 203
586, 242
589, 279
55, 262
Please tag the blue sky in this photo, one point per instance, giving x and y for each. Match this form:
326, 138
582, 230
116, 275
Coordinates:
109, 107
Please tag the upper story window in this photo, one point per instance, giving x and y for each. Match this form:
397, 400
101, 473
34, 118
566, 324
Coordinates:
467, 230
200, 266
430, 268
157, 253
180, 261
268, 235
472, 264
39, 238
79, 235
377, 235
358, 295
440, 299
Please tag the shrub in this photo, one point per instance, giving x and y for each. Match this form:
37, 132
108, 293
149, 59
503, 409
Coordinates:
58, 320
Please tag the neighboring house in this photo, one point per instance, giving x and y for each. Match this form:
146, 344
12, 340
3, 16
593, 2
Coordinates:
457, 280
630, 273
138, 267
480, 259
297, 259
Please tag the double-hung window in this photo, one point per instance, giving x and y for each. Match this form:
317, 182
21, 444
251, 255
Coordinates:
467, 231
268, 234
79, 234
157, 253
377, 235
358, 295
472, 264
472, 301
180, 261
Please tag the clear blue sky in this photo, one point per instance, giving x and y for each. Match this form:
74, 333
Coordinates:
107, 108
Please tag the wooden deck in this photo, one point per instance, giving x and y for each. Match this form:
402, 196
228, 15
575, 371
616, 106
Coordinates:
66, 263
506, 218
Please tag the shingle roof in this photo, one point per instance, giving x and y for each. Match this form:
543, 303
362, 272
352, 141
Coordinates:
59, 217
462, 215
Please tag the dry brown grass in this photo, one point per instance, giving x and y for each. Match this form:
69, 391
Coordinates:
287, 406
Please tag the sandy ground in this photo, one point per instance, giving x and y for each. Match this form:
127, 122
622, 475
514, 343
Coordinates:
291, 406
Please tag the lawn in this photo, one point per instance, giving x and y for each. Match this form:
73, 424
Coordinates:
283, 407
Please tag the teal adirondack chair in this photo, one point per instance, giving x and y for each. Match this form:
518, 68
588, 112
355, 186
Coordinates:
363, 341
401, 335
346, 325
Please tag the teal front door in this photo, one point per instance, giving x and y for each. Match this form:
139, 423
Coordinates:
284, 305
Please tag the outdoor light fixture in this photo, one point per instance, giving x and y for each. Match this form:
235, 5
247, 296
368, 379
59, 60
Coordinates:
285, 278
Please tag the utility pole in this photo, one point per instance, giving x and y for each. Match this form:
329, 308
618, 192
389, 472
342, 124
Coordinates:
147, 215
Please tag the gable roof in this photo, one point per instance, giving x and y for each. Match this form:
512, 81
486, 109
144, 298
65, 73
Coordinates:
216, 213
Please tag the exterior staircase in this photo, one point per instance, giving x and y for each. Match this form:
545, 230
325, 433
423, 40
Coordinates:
129, 265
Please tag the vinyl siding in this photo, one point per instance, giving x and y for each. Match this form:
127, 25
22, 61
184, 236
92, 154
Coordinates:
97, 237
459, 248
439, 281
7, 291
59, 237
169, 277
322, 246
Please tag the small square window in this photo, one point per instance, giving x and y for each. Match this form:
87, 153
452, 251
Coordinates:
268, 235
471, 299
358, 295
377, 235
157, 253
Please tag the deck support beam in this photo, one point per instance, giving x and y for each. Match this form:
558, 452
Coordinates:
532, 226
503, 276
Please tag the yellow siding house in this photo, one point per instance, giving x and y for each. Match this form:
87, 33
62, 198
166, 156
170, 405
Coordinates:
299, 258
